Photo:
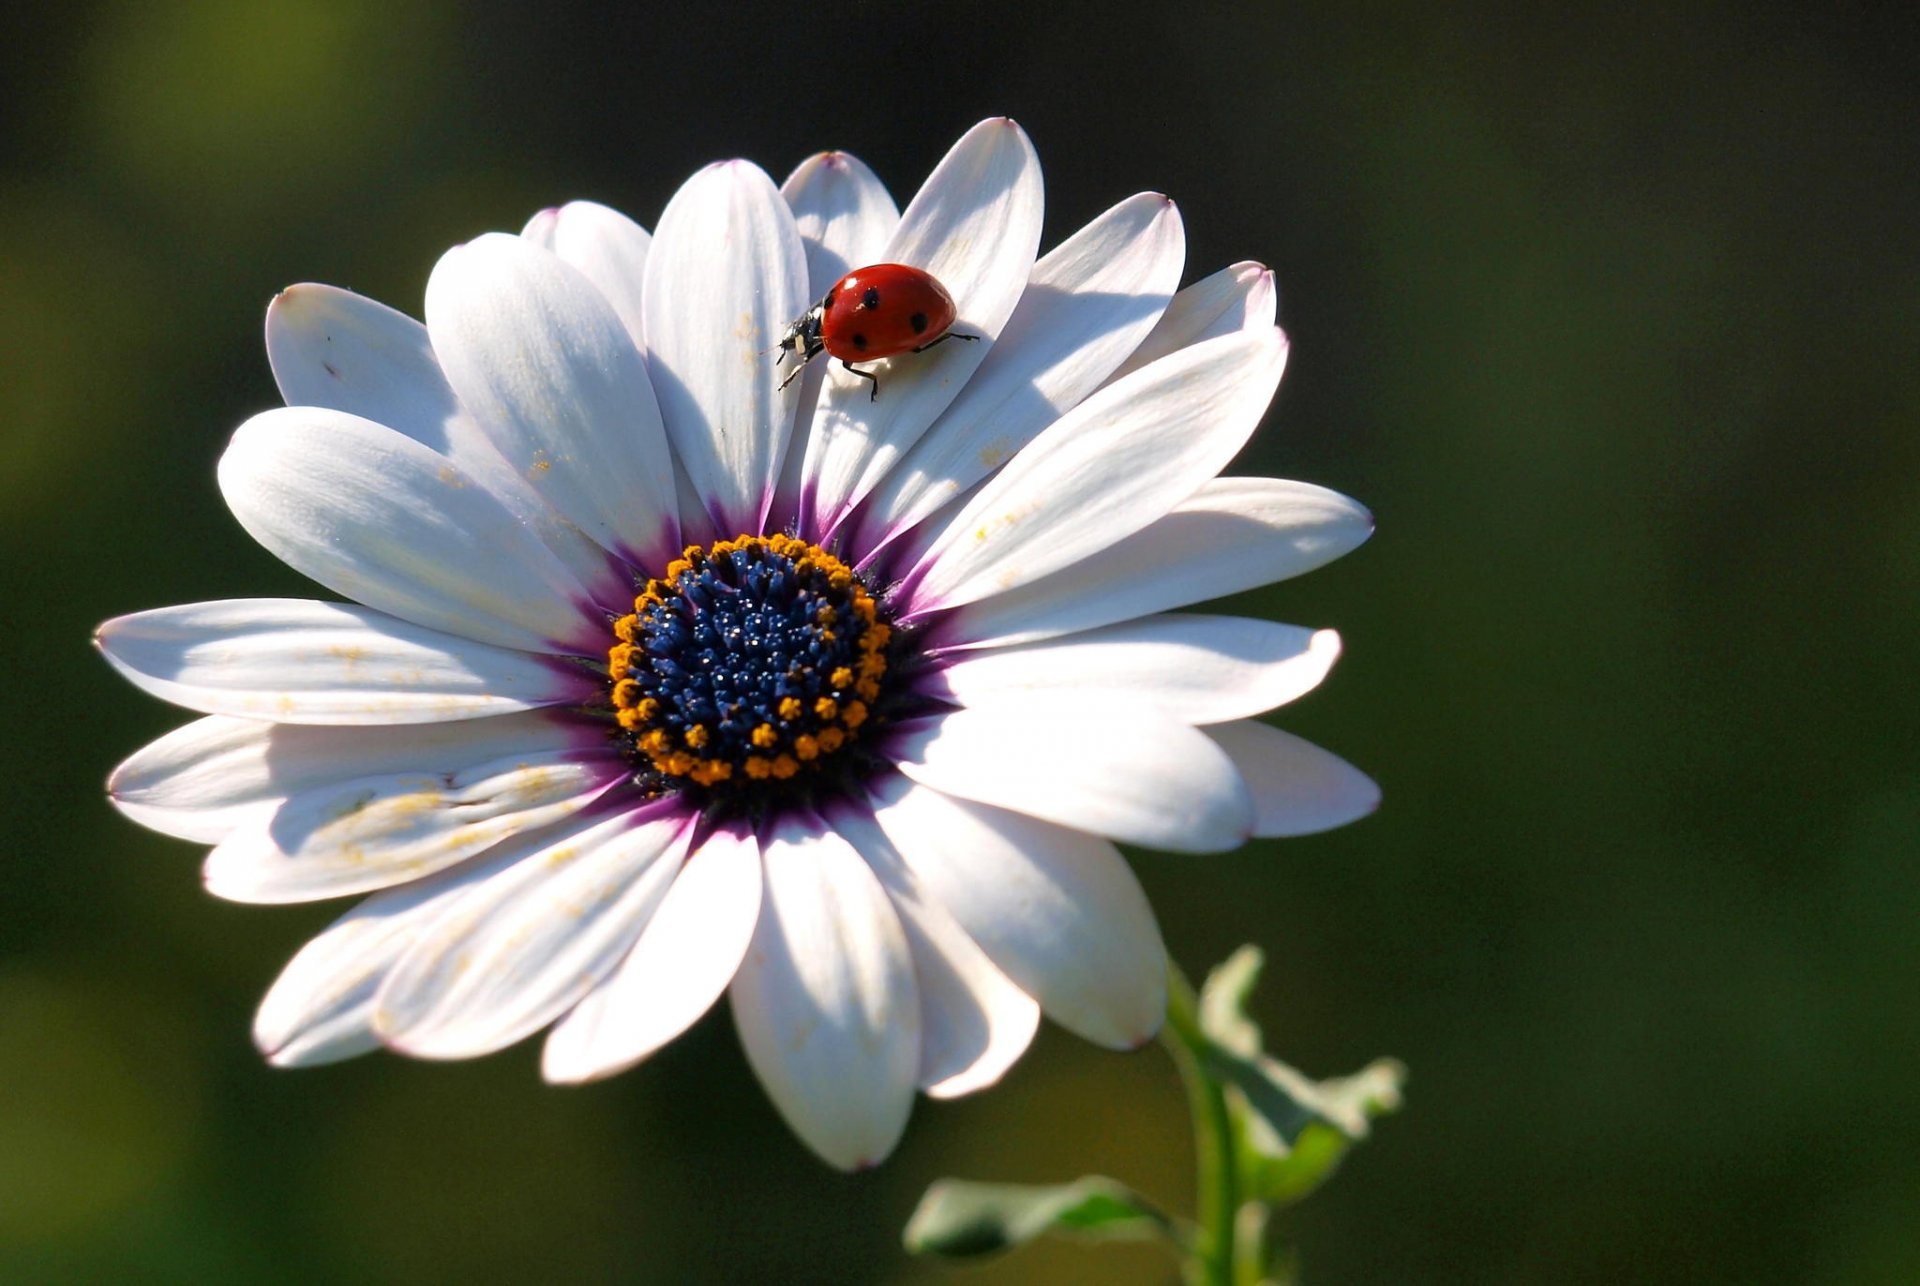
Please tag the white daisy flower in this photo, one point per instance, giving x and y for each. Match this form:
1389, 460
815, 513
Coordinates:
659, 681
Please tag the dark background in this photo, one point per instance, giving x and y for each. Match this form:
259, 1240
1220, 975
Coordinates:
1608, 312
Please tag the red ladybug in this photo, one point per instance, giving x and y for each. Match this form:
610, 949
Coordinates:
879, 311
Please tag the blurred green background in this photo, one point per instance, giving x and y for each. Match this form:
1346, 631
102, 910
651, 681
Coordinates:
1608, 312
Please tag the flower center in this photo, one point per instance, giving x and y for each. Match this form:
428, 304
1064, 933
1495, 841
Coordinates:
747, 670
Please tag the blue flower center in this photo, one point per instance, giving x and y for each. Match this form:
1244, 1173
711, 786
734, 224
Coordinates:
748, 669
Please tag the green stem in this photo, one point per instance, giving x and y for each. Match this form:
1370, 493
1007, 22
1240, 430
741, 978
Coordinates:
1219, 1179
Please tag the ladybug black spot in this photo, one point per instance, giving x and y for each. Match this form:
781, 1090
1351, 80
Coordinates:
870, 298
860, 342
918, 321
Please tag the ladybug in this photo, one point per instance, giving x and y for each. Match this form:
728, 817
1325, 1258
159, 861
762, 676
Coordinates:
879, 311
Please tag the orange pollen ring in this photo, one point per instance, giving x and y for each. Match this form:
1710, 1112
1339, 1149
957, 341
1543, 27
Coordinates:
788, 704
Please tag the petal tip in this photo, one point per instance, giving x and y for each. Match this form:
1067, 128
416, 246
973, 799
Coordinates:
299, 294
271, 1045
576, 1070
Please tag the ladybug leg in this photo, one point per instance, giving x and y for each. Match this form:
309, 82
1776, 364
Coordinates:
945, 336
792, 374
873, 394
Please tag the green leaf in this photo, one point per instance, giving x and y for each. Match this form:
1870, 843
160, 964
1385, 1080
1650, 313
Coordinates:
1283, 1180
1288, 1102
1223, 1002
1294, 1131
960, 1220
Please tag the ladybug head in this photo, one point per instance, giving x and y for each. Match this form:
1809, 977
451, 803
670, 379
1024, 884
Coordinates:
803, 336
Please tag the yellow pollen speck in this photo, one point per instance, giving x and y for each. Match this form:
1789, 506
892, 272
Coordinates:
869, 688
624, 627
790, 708
826, 615
764, 736
696, 736
826, 708
759, 767
626, 692
632, 720
831, 739
785, 766
806, 747
856, 714
842, 677
655, 741
708, 771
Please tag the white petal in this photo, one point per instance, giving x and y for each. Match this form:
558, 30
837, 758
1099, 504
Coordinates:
377, 517
1236, 298
1122, 458
1297, 788
295, 660
1233, 534
975, 1023
975, 226
523, 948
332, 348
696, 524
844, 215
825, 1001
181, 785
726, 276
320, 1009
682, 963
1198, 669
607, 247
1134, 775
205, 780
379, 830
845, 218
1058, 910
547, 368
1089, 302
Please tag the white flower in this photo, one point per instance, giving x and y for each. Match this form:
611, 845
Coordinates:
865, 746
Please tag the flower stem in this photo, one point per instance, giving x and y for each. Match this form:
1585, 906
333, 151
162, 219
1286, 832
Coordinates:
1212, 1261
